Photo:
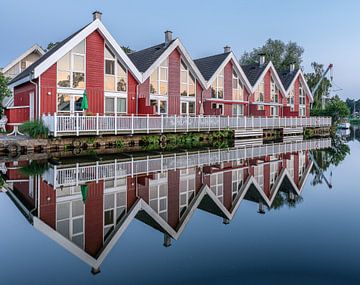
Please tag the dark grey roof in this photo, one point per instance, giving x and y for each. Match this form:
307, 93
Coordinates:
253, 71
143, 59
31, 68
287, 77
209, 65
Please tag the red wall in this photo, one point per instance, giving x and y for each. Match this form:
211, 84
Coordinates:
228, 75
22, 98
173, 197
94, 211
174, 83
95, 72
48, 90
47, 204
132, 83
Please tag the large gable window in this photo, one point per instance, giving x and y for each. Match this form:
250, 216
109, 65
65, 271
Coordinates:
302, 101
159, 79
274, 91
259, 94
187, 81
290, 99
238, 91
217, 88
71, 68
115, 73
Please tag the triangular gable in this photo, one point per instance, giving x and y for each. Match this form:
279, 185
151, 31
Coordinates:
96, 25
175, 44
271, 67
35, 47
304, 83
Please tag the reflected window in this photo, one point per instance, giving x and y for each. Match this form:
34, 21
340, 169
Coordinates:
159, 79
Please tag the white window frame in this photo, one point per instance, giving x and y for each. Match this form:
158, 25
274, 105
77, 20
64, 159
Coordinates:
219, 78
189, 75
260, 94
116, 75
236, 108
72, 54
217, 106
161, 180
302, 101
274, 91
291, 99
115, 96
159, 80
159, 99
238, 88
272, 111
187, 102
72, 100
217, 185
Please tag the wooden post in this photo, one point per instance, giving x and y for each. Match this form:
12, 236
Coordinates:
115, 123
132, 123
55, 124
77, 124
97, 124
147, 123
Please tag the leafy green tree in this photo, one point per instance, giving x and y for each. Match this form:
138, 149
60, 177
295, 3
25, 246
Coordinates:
281, 54
336, 108
4, 90
313, 78
127, 49
51, 45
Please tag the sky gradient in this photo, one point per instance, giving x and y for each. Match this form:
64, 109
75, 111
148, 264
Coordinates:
328, 30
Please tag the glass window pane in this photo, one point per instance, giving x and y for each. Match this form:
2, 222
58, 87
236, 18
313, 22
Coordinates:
184, 76
79, 63
63, 211
110, 67
78, 80
64, 62
77, 208
77, 103
154, 82
78, 240
109, 105
63, 103
191, 90
63, 78
109, 54
109, 217
80, 48
163, 204
183, 89
63, 228
163, 107
191, 107
121, 105
121, 71
109, 201
109, 83
164, 74
220, 93
165, 63
183, 107
163, 88
121, 84
77, 226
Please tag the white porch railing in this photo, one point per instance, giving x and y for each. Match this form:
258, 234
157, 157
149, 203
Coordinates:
80, 174
67, 125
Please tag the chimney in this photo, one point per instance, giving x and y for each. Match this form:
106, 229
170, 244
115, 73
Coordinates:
227, 49
97, 15
262, 58
168, 37
292, 67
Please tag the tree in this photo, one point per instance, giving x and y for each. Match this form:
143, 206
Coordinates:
51, 45
281, 54
336, 108
312, 79
127, 49
4, 91
353, 104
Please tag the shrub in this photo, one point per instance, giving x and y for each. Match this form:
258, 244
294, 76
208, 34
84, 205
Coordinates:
35, 129
35, 168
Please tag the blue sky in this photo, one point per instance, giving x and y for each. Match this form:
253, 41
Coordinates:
328, 30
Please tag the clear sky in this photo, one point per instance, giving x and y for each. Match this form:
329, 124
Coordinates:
329, 30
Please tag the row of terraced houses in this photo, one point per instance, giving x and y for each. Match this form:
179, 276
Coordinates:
162, 79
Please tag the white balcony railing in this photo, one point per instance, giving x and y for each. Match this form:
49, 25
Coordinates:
80, 174
70, 125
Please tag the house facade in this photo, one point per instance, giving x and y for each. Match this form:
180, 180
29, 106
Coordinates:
159, 80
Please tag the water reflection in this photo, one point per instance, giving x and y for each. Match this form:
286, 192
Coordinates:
85, 206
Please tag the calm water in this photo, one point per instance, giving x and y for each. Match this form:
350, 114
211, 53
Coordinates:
282, 213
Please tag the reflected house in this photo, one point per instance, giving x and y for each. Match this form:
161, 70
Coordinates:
86, 207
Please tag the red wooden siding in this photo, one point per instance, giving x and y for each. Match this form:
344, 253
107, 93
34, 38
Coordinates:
95, 72
228, 75
173, 197
22, 98
199, 91
47, 204
132, 83
94, 210
48, 90
174, 83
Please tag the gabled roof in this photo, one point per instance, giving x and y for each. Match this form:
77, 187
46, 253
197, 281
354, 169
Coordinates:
288, 78
143, 59
209, 65
253, 72
34, 48
212, 65
256, 72
41, 65
147, 60
31, 68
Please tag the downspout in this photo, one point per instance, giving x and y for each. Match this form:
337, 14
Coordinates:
35, 95
136, 99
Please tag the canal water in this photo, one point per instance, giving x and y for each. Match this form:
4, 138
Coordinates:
284, 213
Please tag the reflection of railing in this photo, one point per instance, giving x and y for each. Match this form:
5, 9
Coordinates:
62, 125
97, 171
